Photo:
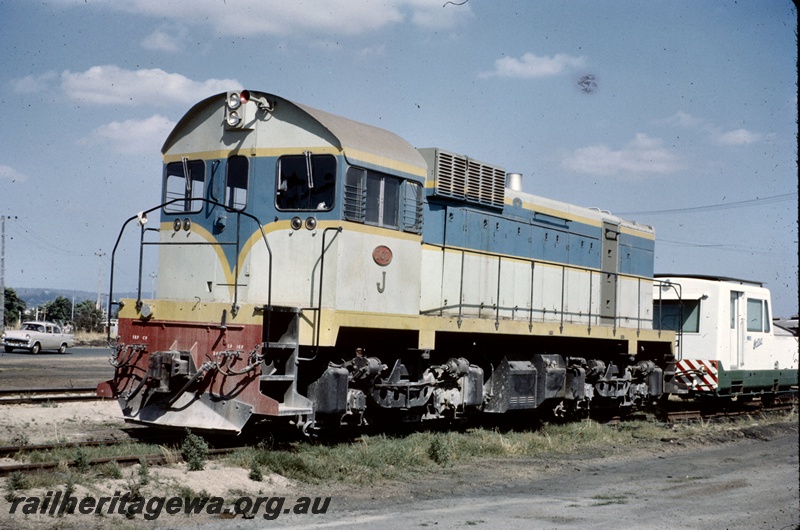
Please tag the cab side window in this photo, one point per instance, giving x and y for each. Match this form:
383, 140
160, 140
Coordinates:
757, 315
382, 200
677, 315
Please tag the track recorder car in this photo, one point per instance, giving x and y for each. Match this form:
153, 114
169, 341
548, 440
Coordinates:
729, 346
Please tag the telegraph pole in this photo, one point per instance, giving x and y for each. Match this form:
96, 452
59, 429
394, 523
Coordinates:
3, 219
99, 255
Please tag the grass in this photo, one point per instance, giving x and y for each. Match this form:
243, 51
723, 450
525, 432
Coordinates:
386, 457
84, 454
605, 500
371, 459
85, 339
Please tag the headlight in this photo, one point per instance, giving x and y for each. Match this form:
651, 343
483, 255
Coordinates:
234, 100
27, 337
233, 119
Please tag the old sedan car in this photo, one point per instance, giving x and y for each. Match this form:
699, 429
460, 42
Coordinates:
37, 336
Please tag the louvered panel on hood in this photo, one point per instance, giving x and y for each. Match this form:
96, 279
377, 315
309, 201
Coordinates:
463, 178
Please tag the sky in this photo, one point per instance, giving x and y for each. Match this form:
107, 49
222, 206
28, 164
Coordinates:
677, 114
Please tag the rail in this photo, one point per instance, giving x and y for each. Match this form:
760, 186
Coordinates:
47, 395
559, 313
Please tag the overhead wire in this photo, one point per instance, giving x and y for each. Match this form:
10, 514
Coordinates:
758, 201
716, 246
40, 241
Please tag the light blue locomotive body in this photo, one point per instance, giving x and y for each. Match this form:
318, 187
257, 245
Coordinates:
326, 272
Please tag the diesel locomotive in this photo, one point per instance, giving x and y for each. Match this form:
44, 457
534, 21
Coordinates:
322, 272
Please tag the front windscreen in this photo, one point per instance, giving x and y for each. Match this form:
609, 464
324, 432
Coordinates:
306, 182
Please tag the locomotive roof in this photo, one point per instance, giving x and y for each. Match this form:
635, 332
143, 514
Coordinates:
358, 136
358, 141
710, 277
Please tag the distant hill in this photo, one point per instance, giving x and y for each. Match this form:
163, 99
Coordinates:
35, 297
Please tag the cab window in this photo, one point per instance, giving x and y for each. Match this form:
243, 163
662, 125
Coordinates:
236, 182
184, 182
674, 315
382, 200
757, 315
306, 182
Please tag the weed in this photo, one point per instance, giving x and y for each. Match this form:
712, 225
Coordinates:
144, 472
82, 462
171, 456
188, 493
605, 500
134, 486
194, 451
69, 490
438, 450
110, 470
20, 439
255, 472
16, 481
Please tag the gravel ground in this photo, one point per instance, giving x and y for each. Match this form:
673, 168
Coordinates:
740, 478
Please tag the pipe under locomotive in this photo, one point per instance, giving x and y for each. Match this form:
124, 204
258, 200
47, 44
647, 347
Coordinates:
324, 272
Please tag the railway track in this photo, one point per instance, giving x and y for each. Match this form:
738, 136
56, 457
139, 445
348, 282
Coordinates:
138, 435
44, 395
123, 460
673, 412
693, 411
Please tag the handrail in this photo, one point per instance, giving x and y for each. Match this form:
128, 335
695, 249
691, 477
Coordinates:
461, 305
318, 309
679, 331
142, 218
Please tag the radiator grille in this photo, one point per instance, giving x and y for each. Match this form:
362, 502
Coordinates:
462, 178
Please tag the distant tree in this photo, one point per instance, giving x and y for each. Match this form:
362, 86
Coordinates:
14, 307
58, 310
88, 317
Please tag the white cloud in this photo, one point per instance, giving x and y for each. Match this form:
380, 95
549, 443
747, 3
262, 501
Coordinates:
164, 41
682, 119
31, 84
737, 137
290, 17
111, 85
9, 173
433, 15
531, 66
372, 51
734, 137
132, 136
643, 155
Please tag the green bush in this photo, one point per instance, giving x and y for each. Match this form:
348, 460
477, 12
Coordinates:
194, 451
